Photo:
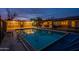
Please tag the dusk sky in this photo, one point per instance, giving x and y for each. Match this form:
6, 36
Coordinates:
27, 13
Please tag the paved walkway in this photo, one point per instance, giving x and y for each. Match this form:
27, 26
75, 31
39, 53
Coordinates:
10, 43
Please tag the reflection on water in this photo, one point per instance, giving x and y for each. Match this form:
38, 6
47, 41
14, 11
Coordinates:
29, 31
32, 31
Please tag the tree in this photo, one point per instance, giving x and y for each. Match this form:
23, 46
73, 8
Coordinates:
37, 21
11, 14
32, 19
39, 18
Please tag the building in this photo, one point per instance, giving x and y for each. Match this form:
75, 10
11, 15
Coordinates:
69, 22
18, 24
12, 25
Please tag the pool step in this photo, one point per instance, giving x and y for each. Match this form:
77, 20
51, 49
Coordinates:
24, 43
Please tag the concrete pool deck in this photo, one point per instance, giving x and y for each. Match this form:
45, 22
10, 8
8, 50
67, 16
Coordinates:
10, 43
68, 29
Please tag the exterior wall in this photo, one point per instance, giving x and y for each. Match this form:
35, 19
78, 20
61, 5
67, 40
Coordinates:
66, 23
73, 24
12, 25
56, 23
28, 24
77, 24
63, 23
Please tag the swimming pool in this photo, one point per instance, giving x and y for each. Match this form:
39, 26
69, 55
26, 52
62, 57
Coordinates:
40, 39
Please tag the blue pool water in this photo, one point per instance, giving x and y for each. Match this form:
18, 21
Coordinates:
40, 39
67, 43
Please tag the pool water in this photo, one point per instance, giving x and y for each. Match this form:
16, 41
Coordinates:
40, 39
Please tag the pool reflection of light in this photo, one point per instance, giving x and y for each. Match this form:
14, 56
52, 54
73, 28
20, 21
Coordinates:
29, 31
